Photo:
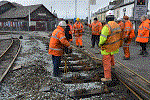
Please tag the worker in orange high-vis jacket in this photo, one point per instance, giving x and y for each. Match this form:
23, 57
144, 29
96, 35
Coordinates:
121, 24
96, 31
127, 36
110, 40
143, 35
56, 45
78, 29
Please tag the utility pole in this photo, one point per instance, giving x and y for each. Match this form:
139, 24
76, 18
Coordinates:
51, 9
89, 12
75, 8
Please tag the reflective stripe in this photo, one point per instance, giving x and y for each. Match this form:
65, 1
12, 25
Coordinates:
69, 46
113, 42
118, 28
146, 28
125, 46
57, 33
142, 37
54, 49
55, 37
127, 35
62, 37
110, 28
113, 30
141, 34
140, 28
127, 27
103, 36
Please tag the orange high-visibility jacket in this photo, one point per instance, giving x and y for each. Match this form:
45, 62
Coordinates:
128, 30
96, 28
78, 28
143, 32
121, 24
113, 41
57, 42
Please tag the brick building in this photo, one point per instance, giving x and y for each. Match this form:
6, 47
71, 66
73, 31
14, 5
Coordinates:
14, 17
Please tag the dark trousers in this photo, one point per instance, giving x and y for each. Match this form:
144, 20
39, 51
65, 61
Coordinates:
95, 38
56, 63
143, 45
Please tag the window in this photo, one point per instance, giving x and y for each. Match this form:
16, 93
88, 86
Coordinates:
140, 2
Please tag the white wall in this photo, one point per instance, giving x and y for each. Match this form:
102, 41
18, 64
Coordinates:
129, 11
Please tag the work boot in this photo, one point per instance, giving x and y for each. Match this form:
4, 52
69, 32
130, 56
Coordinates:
77, 46
80, 46
146, 52
126, 58
105, 79
141, 53
92, 46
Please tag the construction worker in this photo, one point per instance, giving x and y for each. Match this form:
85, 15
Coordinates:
143, 35
121, 24
127, 36
56, 45
110, 40
78, 29
71, 30
96, 31
68, 35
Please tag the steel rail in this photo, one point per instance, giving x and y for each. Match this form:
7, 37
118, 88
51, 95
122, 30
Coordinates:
10, 65
119, 78
7, 48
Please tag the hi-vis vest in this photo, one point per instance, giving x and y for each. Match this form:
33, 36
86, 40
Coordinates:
78, 28
96, 28
114, 38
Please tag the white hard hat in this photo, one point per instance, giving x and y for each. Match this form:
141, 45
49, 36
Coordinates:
62, 23
110, 12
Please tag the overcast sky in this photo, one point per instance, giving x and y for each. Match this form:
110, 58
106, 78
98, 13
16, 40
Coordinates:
63, 6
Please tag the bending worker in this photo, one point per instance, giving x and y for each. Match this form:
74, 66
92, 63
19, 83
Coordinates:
127, 36
110, 40
143, 35
78, 29
96, 31
57, 43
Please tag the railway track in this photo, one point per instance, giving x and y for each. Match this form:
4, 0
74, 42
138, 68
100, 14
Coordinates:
139, 85
8, 57
89, 70
81, 67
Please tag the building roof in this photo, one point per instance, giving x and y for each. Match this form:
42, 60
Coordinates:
20, 11
3, 2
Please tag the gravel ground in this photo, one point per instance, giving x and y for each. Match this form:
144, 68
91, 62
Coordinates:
4, 44
36, 72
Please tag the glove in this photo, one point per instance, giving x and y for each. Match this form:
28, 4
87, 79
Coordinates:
70, 51
125, 40
86, 23
99, 45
